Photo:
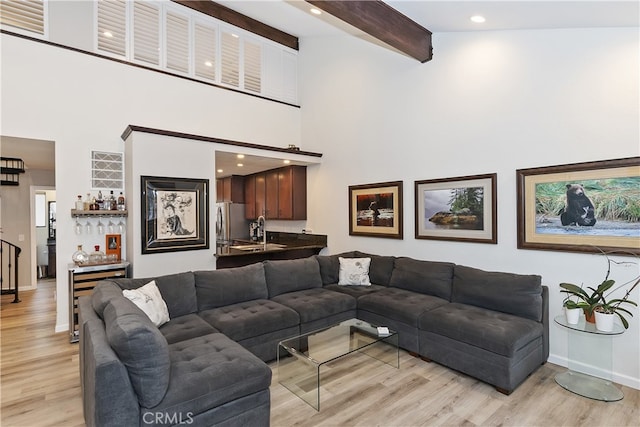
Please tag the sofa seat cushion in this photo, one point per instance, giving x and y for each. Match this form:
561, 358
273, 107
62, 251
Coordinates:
186, 327
425, 277
217, 288
207, 372
251, 318
399, 304
493, 331
141, 348
317, 303
354, 291
292, 275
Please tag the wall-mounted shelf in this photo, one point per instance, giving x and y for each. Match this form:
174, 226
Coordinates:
76, 213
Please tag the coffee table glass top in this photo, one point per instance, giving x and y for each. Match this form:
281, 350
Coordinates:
301, 358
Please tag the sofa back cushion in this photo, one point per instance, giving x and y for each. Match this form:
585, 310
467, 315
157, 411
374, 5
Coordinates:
426, 277
292, 275
380, 269
330, 266
103, 292
177, 290
140, 347
511, 293
217, 288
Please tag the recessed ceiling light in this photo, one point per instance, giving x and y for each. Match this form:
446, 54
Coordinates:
208, 63
220, 170
108, 34
478, 19
286, 162
240, 156
315, 11
240, 165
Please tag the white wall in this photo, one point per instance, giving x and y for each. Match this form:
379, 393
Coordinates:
487, 102
84, 103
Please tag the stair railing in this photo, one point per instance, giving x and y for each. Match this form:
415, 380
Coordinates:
9, 254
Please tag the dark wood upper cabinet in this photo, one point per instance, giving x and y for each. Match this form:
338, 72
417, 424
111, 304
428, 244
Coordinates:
250, 197
230, 189
260, 195
292, 192
277, 194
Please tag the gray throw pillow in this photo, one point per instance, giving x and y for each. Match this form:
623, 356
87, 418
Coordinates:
141, 347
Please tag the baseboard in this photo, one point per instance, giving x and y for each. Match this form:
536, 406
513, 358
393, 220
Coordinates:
616, 377
62, 328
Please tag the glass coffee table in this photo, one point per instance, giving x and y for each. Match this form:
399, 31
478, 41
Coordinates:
301, 358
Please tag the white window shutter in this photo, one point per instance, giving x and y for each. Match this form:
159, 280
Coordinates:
25, 14
252, 66
177, 42
289, 77
112, 26
204, 51
230, 59
146, 32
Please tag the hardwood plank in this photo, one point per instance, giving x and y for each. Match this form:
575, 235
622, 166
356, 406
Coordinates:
40, 386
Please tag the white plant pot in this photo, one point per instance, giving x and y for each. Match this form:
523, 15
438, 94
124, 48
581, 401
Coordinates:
604, 321
572, 315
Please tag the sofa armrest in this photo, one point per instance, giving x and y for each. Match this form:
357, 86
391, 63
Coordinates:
107, 395
545, 321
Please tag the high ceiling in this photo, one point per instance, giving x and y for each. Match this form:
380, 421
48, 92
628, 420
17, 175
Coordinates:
293, 17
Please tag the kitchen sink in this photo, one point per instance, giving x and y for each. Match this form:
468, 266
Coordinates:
258, 247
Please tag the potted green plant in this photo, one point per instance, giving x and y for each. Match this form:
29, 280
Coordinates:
597, 302
606, 310
572, 310
586, 301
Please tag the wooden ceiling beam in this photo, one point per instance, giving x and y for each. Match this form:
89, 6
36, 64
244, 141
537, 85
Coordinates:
232, 17
384, 23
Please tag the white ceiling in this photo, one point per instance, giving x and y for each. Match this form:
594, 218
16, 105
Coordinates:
293, 17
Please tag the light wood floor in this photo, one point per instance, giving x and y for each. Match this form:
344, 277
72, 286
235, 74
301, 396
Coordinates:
40, 387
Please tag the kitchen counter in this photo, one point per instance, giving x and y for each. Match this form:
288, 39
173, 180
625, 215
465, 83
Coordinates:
279, 245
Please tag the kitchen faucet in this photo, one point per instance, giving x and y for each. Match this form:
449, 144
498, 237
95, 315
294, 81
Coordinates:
262, 219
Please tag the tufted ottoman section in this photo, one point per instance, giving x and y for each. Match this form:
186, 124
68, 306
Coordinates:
207, 372
251, 318
497, 332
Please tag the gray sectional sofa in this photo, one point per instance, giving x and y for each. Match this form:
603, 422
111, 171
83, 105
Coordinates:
206, 366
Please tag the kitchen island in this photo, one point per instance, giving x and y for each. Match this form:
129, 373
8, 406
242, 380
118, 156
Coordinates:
279, 245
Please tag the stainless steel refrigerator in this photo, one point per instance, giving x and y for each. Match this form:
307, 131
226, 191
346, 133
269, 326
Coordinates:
231, 223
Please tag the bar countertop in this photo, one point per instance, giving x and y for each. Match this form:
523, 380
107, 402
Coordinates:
276, 242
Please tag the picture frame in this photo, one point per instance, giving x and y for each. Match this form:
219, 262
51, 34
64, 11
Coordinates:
112, 246
462, 209
375, 210
175, 214
580, 207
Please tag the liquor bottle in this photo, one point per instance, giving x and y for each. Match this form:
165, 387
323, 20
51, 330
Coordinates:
79, 203
100, 201
112, 201
121, 204
87, 202
80, 257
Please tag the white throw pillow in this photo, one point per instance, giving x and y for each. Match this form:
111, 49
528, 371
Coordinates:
149, 300
354, 271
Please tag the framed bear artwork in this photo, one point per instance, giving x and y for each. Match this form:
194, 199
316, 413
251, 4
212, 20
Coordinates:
581, 207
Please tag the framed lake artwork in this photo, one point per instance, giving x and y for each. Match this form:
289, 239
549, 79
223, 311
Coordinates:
459, 209
581, 207
375, 210
175, 214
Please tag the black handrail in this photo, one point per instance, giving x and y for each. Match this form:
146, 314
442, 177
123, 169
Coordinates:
12, 274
